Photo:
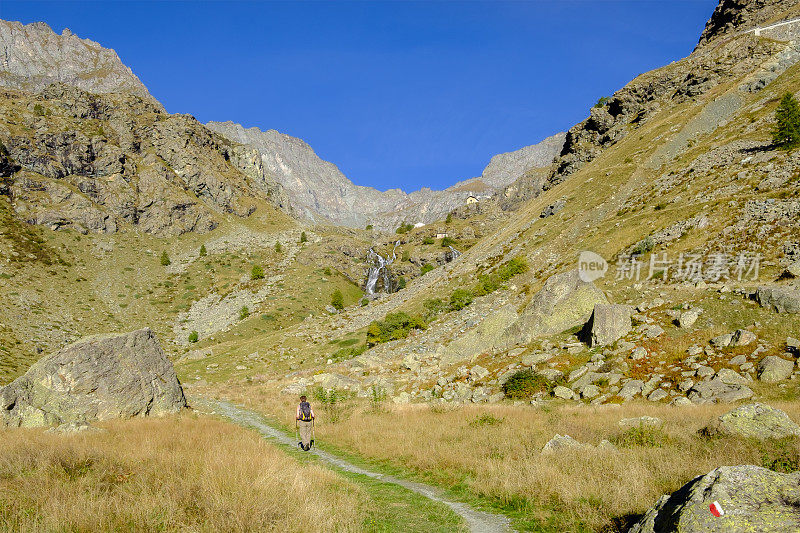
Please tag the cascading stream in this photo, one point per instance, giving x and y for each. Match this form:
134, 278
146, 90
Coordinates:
379, 269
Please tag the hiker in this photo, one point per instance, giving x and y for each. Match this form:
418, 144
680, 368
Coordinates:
305, 423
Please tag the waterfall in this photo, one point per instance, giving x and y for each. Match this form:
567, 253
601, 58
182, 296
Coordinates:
455, 253
379, 270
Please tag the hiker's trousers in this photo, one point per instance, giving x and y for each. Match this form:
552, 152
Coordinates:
305, 431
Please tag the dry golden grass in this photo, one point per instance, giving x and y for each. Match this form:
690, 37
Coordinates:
174, 474
568, 491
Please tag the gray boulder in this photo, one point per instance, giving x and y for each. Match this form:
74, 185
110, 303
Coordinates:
742, 337
716, 390
609, 323
754, 420
688, 318
779, 299
565, 301
773, 369
752, 499
560, 443
96, 378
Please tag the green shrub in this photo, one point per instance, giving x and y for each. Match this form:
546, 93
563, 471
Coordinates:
524, 384
369, 227
641, 435
335, 402
327, 271
244, 312
165, 259
203, 251
193, 337
780, 455
433, 308
38, 110
377, 395
364, 302
602, 101
448, 241
278, 247
449, 218
428, 240
786, 134
406, 255
257, 272
459, 299
401, 283
486, 419
337, 300
644, 246
404, 228
303, 237
394, 326
427, 267
489, 283
348, 352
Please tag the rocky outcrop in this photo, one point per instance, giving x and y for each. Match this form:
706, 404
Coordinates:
737, 15
608, 324
32, 57
756, 421
779, 299
97, 378
99, 162
565, 301
773, 369
318, 190
751, 498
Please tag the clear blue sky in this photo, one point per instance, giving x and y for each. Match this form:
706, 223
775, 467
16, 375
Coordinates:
397, 94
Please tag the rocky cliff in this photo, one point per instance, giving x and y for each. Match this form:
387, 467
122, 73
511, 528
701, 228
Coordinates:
32, 57
320, 191
737, 15
97, 162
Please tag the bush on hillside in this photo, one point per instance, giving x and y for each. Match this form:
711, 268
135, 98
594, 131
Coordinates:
524, 384
448, 241
427, 267
337, 300
303, 237
433, 308
256, 272
489, 283
193, 337
165, 259
203, 251
394, 326
404, 228
459, 299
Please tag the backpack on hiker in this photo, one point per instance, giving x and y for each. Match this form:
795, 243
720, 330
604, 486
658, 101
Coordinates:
305, 411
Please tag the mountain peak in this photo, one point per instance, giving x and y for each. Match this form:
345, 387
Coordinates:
738, 15
33, 56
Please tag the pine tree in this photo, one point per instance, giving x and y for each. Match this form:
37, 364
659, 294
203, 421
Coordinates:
337, 300
203, 251
303, 237
165, 259
786, 134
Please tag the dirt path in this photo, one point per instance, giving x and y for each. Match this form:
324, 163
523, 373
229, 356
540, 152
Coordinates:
478, 521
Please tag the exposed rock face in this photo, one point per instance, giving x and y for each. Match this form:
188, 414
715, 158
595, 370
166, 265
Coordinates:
716, 390
738, 15
773, 369
96, 162
97, 378
779, 299
320, 191
564, 302
752, 499
32, 57
609, 323
754, 420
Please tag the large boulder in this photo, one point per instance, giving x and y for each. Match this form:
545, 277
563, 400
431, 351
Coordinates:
773, 369
716, 390
754, 420
564, 302
96, 378
752, 499
608, 324
779, 299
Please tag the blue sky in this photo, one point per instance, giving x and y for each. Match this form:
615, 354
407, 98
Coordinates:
397, 94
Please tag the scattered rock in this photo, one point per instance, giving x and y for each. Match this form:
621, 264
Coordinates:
716, 391
653, 331
631, 389
96, 378
609, 323
640, 421
561, 443
742, 337
793, 344
752, 498
639, 352
688, 318
731, 377
754, 420
779, 299
563, 392
722, 341
773, 369
657, 395
478, 372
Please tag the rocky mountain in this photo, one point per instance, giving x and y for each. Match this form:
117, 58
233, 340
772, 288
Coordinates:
732, 16
319, 190
32, 57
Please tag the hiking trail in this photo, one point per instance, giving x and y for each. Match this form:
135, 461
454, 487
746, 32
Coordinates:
477, 521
